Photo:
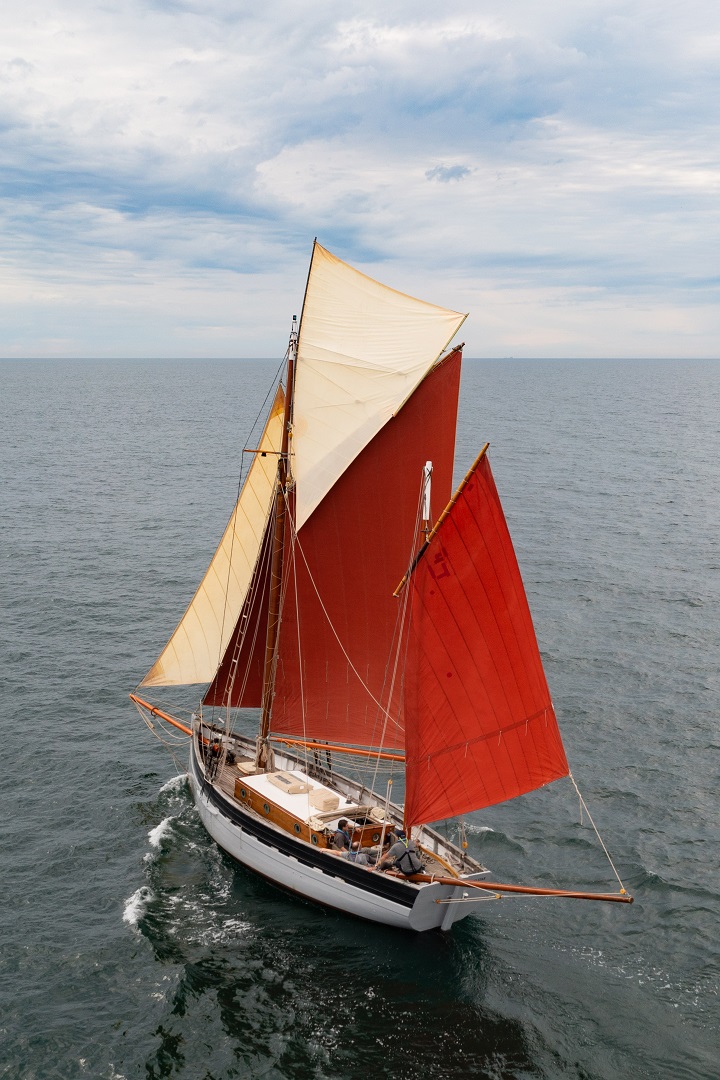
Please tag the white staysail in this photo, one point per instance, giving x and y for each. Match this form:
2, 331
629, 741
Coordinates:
196, 647
363, 349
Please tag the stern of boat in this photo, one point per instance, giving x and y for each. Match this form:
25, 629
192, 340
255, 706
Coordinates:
439, 907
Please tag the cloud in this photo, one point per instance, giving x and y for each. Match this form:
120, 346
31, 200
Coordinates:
446, 173
166, 165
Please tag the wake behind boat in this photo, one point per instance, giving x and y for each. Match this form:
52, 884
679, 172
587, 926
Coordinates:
377, 621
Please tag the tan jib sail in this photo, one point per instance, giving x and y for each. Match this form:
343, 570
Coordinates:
196, 647
363, 349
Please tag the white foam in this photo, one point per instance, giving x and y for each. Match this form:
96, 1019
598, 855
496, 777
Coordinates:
175, 783
223, 931
136, 904
158, 834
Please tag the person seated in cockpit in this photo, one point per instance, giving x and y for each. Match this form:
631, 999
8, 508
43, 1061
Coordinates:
342, 839
403, 856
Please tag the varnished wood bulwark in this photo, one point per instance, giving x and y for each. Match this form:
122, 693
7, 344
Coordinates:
247, 797
366, 835
231, 785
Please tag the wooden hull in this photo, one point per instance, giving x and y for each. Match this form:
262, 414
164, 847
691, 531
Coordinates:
317, 874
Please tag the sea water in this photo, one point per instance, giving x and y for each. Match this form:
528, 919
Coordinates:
133, 948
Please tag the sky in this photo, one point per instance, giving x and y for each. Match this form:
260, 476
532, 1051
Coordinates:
551, 168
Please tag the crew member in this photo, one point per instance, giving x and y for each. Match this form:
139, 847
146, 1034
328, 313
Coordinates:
342, 839
213, 760
403, 856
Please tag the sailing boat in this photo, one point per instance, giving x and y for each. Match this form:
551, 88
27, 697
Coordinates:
376, 620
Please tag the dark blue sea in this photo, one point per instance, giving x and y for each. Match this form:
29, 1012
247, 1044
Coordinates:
132, 948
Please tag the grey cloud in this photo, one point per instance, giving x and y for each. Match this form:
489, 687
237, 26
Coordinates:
445, 173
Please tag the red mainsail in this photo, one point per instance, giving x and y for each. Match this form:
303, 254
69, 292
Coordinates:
339, 615
479, 719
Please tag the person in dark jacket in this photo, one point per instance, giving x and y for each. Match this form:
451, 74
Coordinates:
342, 839
403, 856
213, 758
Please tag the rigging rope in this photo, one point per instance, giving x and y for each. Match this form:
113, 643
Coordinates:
583, 806
259, 578
343, 650
405, 605
349, 762
233, 518
300, 662
398, 634
165, 738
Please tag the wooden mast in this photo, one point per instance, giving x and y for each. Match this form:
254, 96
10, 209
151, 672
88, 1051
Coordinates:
263, 752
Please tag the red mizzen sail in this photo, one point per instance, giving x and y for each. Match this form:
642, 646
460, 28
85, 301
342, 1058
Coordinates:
356, 543
480, 723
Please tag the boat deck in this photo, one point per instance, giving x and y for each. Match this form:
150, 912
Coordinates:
294, 812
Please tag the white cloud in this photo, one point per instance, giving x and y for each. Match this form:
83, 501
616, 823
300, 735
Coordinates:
166, 166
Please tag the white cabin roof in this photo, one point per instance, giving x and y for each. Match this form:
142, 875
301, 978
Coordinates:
297, 804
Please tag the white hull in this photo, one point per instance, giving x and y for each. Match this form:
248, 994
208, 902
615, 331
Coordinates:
319, 875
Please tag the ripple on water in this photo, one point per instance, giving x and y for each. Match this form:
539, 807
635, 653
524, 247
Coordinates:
118, 482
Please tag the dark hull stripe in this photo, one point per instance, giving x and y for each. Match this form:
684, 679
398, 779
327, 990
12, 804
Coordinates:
376, 884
